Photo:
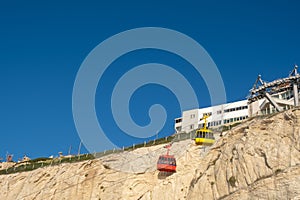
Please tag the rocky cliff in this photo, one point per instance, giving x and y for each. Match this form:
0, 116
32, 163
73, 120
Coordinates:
258, 159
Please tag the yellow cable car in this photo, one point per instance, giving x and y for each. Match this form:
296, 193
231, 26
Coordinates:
204, 136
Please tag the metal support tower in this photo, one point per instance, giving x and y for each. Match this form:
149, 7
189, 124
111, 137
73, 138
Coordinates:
264, 92
262, 89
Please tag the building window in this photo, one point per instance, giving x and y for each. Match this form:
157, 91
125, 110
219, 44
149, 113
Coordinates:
178, 120
226, 121
192, 126
193, 116
219, 112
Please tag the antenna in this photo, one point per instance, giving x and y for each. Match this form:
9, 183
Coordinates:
69, 152
79, 148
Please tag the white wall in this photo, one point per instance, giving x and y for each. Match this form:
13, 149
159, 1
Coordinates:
191, 118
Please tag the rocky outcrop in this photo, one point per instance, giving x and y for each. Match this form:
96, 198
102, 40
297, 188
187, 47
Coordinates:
258, 159
143, 160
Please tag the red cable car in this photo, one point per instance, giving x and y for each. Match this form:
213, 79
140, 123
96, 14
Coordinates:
166, 163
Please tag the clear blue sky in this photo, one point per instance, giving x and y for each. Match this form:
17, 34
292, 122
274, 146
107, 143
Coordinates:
42, 45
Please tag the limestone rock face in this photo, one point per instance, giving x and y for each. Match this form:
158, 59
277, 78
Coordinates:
259, 159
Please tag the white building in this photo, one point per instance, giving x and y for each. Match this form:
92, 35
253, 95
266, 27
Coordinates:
228, 113
265, 98
219, 115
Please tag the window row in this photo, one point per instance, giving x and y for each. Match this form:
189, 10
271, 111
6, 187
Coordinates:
214, 123
235, 109
235, 119
226, 121
168, 161
208, 135
287, 95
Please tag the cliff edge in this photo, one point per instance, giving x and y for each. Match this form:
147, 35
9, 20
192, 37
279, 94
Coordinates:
259, 159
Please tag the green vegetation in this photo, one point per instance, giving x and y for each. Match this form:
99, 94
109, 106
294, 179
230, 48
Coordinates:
152, 143
42, 162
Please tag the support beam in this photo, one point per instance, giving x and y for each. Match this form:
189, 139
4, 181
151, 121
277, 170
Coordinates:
268, 96
295, 86
296, 96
